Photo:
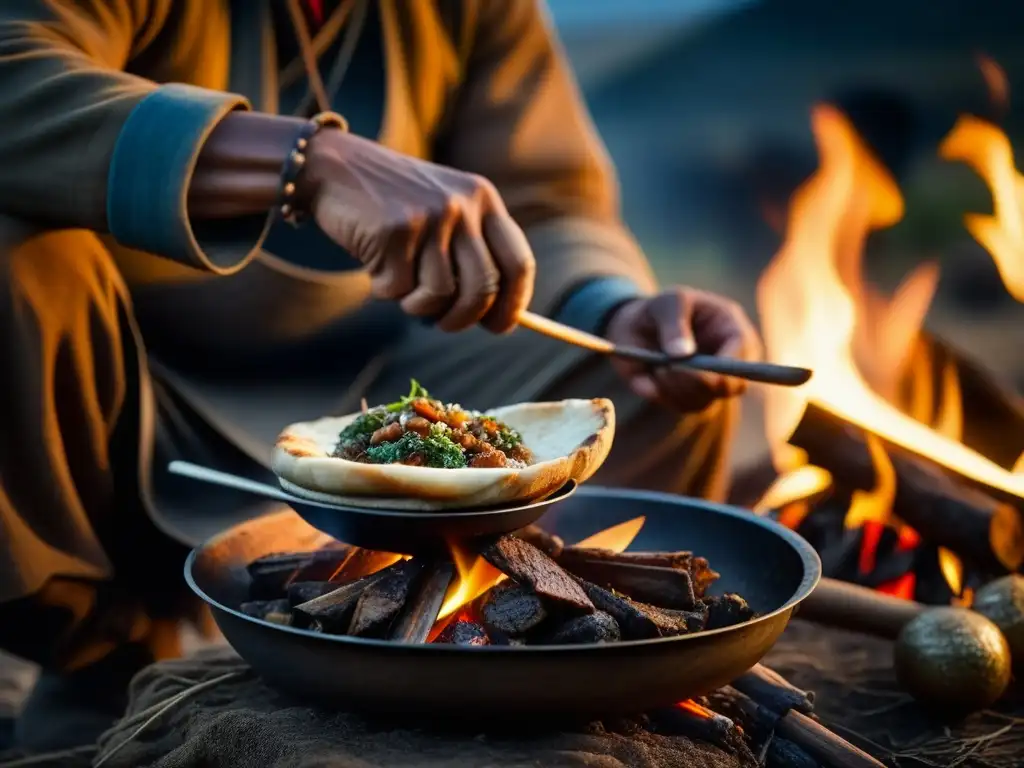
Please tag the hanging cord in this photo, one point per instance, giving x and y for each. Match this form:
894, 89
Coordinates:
319, 95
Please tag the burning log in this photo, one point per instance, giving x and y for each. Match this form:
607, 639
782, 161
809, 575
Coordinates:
333, 611
527, 565
420, 612
510, 610
380, 602
274, 611
700, 571
658, 585
637, 621
726, 611
944, 511
547, 543
597, 627
271, 574
463, 632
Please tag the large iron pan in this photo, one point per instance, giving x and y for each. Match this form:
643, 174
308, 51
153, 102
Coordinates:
772, 567
391, 530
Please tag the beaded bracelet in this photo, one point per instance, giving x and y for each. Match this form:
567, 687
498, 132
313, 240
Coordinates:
287, 206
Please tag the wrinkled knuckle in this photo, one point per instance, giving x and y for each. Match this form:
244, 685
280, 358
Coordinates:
483, 187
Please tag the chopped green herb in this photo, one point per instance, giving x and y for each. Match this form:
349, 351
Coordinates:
505, 438
416, 391
437, 450
363, 427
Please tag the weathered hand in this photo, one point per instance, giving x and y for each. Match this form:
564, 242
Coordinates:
682, 321
438, 240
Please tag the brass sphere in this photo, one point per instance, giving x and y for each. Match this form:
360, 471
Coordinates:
1002, 602
953, 660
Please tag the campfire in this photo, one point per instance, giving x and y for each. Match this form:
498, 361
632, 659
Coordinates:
870, 462
523, 588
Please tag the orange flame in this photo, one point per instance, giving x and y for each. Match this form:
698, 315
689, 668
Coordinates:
816, 310
476, 576
810, 316
985, 148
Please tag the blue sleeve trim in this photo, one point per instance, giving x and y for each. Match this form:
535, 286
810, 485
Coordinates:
589, 306
150, 172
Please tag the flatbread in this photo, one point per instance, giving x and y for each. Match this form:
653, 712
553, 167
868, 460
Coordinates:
569, 439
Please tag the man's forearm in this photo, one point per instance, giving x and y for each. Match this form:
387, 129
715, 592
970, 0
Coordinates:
238, 172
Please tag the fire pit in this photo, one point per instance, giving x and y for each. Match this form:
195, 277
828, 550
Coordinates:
599, 653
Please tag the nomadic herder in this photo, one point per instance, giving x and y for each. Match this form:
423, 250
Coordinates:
157, 303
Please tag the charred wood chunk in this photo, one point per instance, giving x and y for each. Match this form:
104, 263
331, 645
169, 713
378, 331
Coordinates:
700, 723
332, 612
420, 612
783, 753
773, 692
463, 633
547, 543
511, 610
657, 585
271, 574
597, 627
275, 611
637, 621
303, 591
699, 569
727, 610
381, 602
694, 621
527, 565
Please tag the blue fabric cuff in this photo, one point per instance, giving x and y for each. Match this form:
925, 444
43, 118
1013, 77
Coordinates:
150, 172
589, 306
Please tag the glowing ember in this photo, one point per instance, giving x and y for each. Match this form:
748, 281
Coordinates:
696, 709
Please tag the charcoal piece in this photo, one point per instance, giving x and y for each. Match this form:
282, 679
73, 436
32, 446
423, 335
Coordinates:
772, 691
547, 543
304, 591
699, 723
380, 603
698, 567
463, 633
511, 610
420, 612
275, 611
362, 562
694, 621
333, 611
657, 585
637, 621
271, 574
727, 610
783, 753
527, 565
597, 627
